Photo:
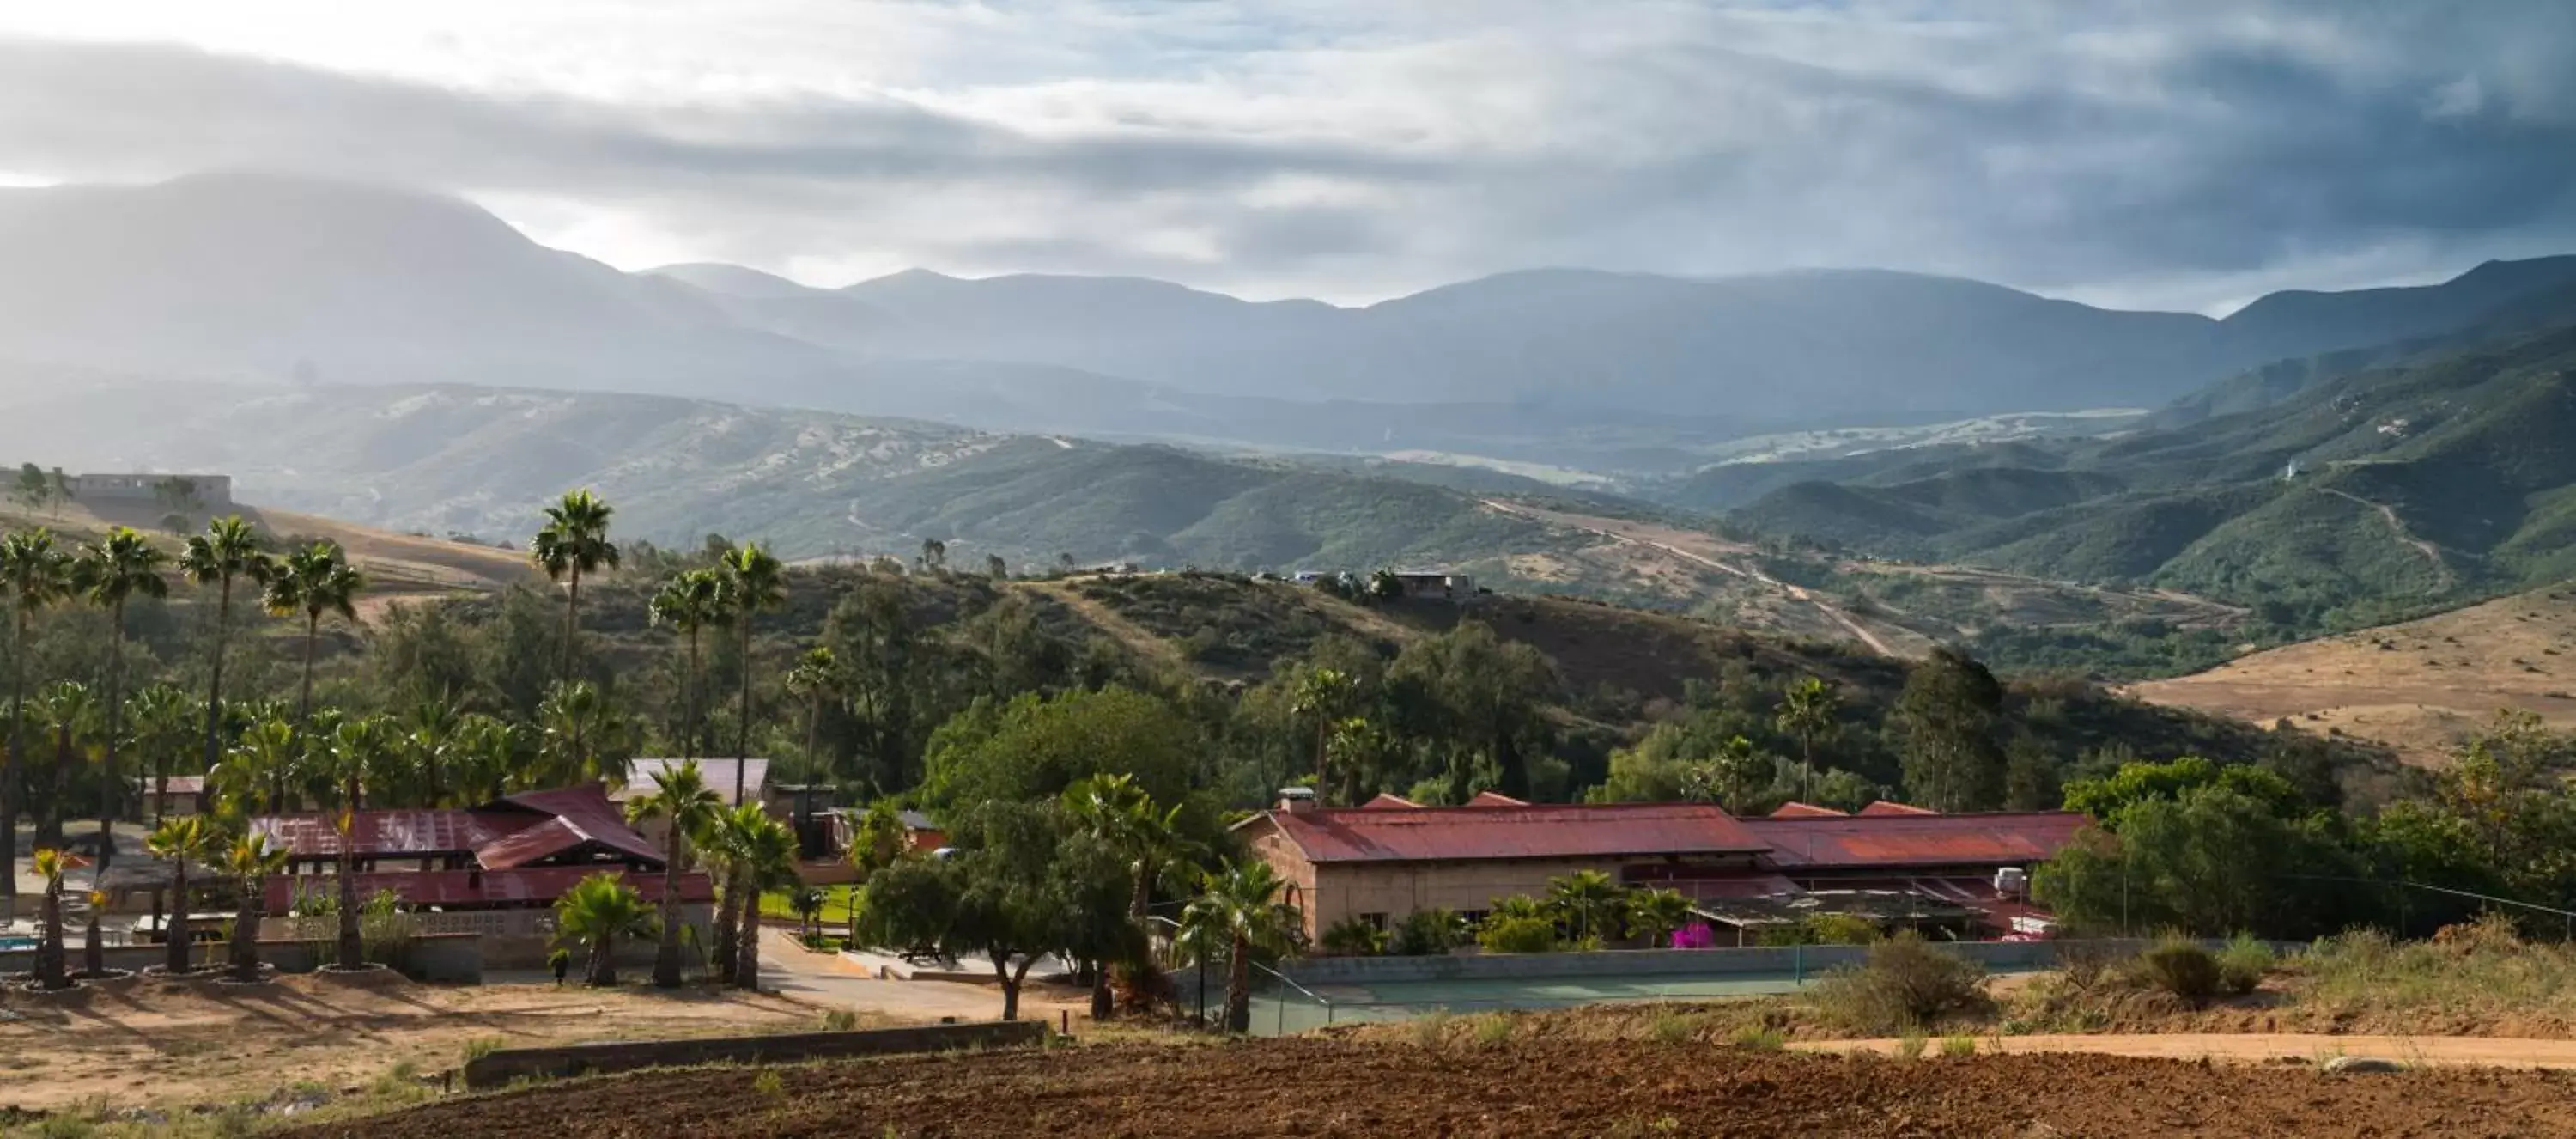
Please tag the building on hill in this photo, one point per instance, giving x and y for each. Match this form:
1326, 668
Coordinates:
1437, 585
211, 492
1964, 874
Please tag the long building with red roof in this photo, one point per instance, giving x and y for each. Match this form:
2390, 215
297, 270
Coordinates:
1389, 858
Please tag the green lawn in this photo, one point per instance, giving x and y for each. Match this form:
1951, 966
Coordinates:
836, 907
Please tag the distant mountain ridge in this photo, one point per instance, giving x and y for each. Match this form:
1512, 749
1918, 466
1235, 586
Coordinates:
270, 277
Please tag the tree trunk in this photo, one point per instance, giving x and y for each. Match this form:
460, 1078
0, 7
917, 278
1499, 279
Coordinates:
746, 962
1100, 1003
727, 931
110, 786
813, 725
742, 733
215, 685
666, 957
689, 714
353, 948
1323, 782
304, 701
1238, 988
602, 972
49, 825
1010, 984
93, 944
243, 947
49, 951
572, 622
13, 765
176, 931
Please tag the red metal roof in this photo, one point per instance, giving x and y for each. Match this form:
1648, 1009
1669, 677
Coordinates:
1884, 807
1547, 830
468, 888
389, 834
1797, 810
1389, 802
1495, 799
643, 777
582, 816
1867, 841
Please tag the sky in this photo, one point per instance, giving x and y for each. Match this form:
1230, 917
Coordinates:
2157, 153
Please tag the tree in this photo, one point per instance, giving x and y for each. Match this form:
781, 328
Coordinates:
581, 736
350, 755
593, 915
32, 489
1023, 881
1322, 695
251, 860
120, 565
50, 967
681, 799
262, 763
2209, 862
1034, 747
314, 581
880, 839
36, 575
1589, 902
1113, 810
71, 711
1729, 775
486, 752
573, 542
1946, 720
690, 602
229, 549
770, 854
728, 850
164, 733
817, 675
995, 568
1808, 711
181, 841
1653, 915
1482, 694
759, 586
1238, 907
934, 554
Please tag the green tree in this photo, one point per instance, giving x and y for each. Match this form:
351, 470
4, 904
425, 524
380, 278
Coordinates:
769, 854
51, 974
758, 585
690, 602
260, 766
228, 550
1809, 712
1730, 774
1590, 903
1946, 718
72, 712
1035, 747
164, 734
681, 799
581, 736
1323, 696
1653, 915
250, 860
312, 582
1112, 809
122, 564
36, 575
1023, 881
594, 915
180, 841
1239, 908
572, 543
2109, 797
486, 753
1481, 695
728, 850
32, 489
817, 677
354, 753
2209, 862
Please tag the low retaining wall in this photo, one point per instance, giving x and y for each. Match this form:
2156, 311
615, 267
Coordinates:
451, 958
494, 1069
1675, 962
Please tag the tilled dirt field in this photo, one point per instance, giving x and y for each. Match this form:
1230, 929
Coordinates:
1308, 1086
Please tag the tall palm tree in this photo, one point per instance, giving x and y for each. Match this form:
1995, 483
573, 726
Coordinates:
120, 565
690, 602
1114, 809
429, 743
261, 766
71, 712
759, 586
36, 575
229, 549
1808, 711
771, 856
574, 541
164, 727
1239, 908
1321, 694
582, 737
314, 581
681, 799
593, 915
486, 752
181, 841
352, 754
251, 860
728, 854
50, 966
817, 674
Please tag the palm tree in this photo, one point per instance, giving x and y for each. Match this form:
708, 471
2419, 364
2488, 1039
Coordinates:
228, 549
353, 752
1807, 711
581, 734
120, 565
182, 840
1321, 693
1590, 901
681, 799
93, 941
163, 730
313, 581
263, 762
50, 973
728, 851
486, 752
593, 915
1655, 914
690, 602
574, 541
759, 585
70, 710
428, 749
251, 860
817, 674
1239, 908
1122, 815
36, 575
771, 856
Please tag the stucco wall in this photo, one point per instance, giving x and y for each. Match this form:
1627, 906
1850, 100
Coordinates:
1342, 889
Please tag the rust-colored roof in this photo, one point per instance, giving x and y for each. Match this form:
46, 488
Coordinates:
1797, 810
1386, 801
643, 777
389, 834
1884, 807
1547, 830
582, 817
1495, 799
469, 888
1867, 841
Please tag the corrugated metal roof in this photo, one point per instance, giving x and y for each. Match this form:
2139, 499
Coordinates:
389, 834
1884, 808
1552, 830
641, 777
1387, 801
1908, 840
483, 887
582, 815
1797, 810
1495, 799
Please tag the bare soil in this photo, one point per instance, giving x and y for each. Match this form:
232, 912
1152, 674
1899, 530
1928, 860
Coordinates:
1319, 1086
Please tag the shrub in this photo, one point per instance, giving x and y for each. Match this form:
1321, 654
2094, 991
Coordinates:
1353, 937
1672, 1027
1517, 935
768, 1083
2242, 964
1756, 1038
1493, 1030
1959, 1045
840, 1020
482, 1046
1905, 985
1429, 933
2182, 968
1840, 929
1910, 1046
1431, 1030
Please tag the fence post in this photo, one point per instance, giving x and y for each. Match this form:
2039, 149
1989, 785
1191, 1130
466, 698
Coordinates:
1798, 959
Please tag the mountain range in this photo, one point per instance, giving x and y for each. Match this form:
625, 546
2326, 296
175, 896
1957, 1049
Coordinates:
274, 278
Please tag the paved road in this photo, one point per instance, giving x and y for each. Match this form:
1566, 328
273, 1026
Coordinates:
827, 979
2504, 1052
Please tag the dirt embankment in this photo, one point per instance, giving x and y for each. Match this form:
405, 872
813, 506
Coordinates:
1346, 1087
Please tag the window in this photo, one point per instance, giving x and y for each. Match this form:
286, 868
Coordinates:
1375, 921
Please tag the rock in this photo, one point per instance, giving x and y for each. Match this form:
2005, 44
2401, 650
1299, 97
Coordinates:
2347, 1065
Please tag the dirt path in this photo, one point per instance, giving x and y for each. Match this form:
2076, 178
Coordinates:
2396, 525
833, 981
1108, 620
2501, 1052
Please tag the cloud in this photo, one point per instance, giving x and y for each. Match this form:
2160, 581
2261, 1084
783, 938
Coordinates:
2167, 153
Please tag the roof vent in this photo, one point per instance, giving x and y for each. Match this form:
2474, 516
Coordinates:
1297, 800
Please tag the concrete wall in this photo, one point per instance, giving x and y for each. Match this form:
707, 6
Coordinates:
497, 1068
445, 958
1999, 955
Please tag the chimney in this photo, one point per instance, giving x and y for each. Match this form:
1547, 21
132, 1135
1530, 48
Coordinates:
1296, 800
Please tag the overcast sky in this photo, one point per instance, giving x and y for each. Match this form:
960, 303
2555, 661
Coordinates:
2162, 153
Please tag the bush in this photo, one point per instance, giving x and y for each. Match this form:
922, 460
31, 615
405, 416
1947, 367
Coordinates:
1905, 985
1517, 935
1756, 1038
840, 1020
1959, 1045
2242, 964
2182, 968
1910, 1046
1822, 929
1353, 937
1429, 933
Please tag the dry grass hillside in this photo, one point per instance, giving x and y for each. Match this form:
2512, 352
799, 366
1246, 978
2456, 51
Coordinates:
2420, 687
